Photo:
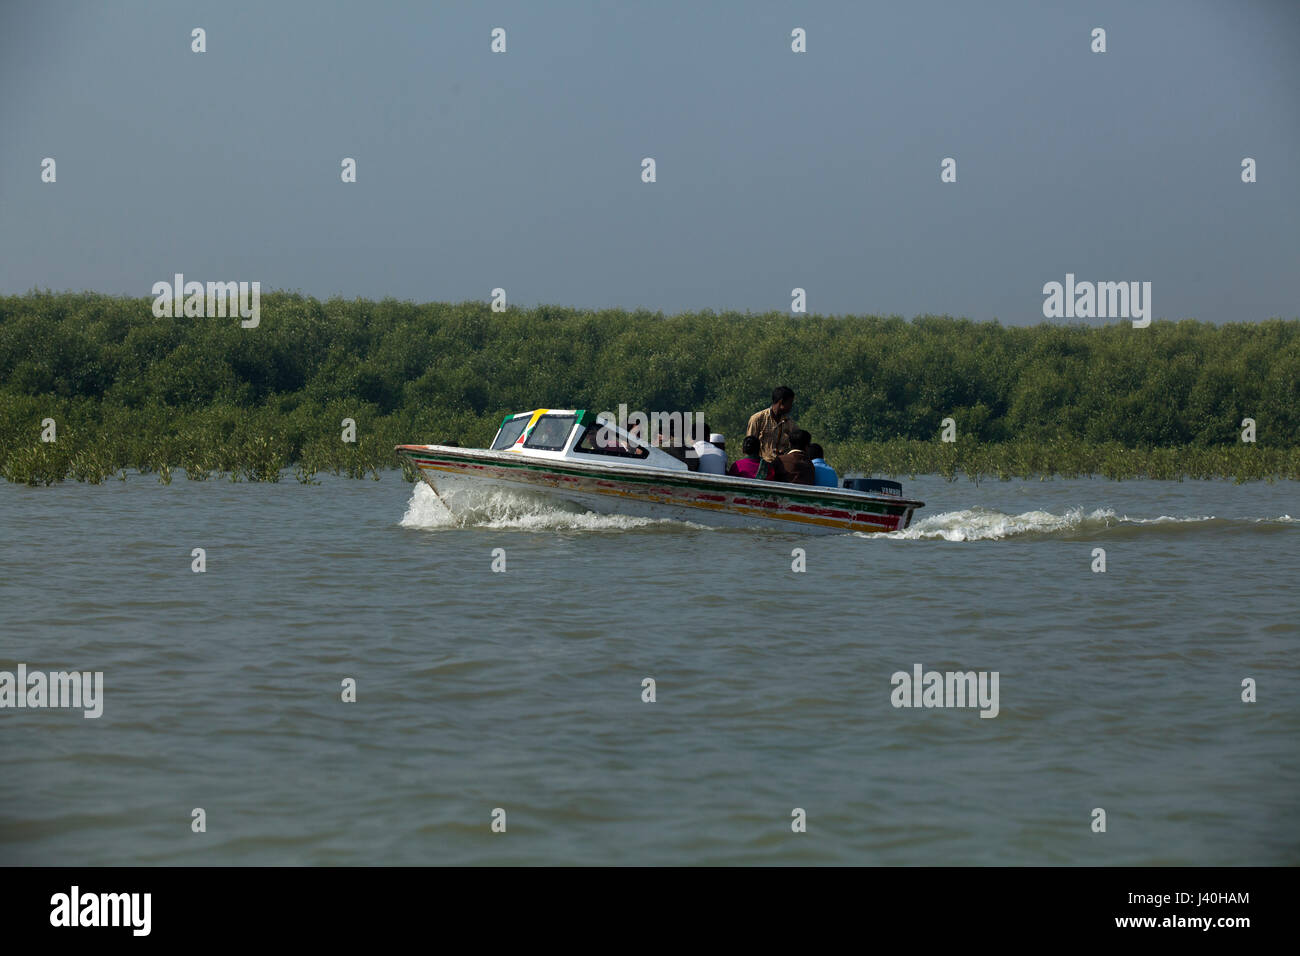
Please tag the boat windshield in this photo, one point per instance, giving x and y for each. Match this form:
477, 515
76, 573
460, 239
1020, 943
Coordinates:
510, 432
551, 432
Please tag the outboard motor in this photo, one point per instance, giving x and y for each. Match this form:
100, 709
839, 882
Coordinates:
876, 486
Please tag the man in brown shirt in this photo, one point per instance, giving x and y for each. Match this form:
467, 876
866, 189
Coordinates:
773, 426
795, 466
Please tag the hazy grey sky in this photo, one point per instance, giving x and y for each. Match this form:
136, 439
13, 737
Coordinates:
775, 169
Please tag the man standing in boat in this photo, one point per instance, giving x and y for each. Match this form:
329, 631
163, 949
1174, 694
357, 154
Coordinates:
773, 426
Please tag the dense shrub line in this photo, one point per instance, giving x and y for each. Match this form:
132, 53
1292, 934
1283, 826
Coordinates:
131, 391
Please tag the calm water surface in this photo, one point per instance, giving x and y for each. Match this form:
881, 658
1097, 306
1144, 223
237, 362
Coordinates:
523, 690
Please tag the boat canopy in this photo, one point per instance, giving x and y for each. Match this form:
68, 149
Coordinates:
578, 434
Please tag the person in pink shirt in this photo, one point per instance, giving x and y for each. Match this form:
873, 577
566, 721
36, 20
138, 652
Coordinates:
746, 466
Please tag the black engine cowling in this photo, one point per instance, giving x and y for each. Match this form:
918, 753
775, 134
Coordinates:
877, 486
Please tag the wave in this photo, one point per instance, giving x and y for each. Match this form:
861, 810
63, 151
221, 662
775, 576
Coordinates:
498, 508
983, 524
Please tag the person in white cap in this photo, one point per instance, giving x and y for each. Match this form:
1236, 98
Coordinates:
712, 454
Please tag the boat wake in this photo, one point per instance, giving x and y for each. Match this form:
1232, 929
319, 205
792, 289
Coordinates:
470, 506
982, 524
515, 510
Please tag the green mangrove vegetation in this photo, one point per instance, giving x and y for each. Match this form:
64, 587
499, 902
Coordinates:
203, 397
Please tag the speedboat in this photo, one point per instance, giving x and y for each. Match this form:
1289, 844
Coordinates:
593, 463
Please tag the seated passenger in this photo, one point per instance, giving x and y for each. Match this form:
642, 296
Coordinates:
746, 467
603, 438
825, 474
599, 438
794, 465
710, 455
634, 437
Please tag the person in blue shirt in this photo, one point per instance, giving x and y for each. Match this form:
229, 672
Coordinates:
824, 473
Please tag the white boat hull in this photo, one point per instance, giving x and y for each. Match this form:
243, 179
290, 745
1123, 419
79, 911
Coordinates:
462, 476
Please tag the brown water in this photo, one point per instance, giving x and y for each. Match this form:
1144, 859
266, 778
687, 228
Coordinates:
522, 690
